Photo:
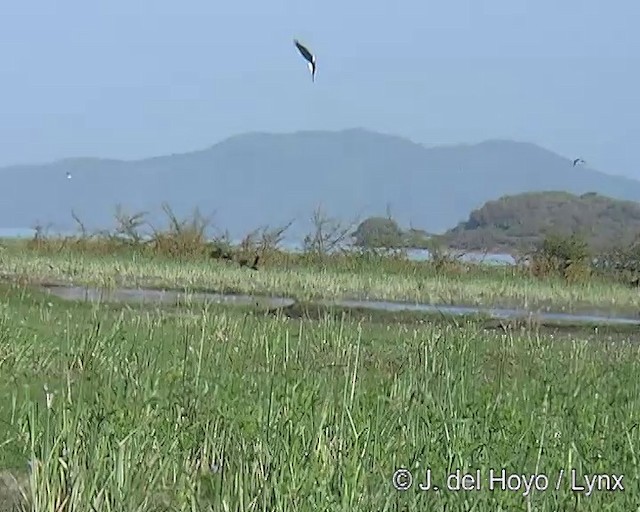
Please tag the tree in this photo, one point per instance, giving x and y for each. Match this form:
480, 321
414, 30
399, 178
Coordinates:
379, 232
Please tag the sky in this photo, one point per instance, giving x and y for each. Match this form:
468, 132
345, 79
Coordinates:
123, 79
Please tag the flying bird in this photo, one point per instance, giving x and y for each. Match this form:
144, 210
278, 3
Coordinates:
578, 161
310, 58
68, 175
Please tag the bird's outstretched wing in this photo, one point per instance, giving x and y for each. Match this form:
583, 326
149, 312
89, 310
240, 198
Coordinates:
304, 51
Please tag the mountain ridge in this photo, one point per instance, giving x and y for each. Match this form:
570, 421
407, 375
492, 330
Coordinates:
259, 178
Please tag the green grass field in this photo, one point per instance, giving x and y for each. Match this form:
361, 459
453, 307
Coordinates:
237, 409
360, 278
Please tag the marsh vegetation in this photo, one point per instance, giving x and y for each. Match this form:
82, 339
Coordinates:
216, 407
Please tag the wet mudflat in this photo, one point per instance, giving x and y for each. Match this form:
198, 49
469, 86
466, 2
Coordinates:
177, 297
162, 297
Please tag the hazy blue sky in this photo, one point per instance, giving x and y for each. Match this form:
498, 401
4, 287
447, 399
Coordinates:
127, 79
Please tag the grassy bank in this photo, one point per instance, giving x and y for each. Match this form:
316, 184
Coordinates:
221, 409
340, 277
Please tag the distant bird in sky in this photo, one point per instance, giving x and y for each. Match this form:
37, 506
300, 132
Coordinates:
68, 175
578, 161
310, 58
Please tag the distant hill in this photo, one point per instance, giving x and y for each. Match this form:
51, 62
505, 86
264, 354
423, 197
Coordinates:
255, 179
522, 221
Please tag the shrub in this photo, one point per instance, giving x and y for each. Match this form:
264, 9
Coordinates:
564, 257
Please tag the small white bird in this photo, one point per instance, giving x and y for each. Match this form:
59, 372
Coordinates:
310, 58
578, 161
68, 175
